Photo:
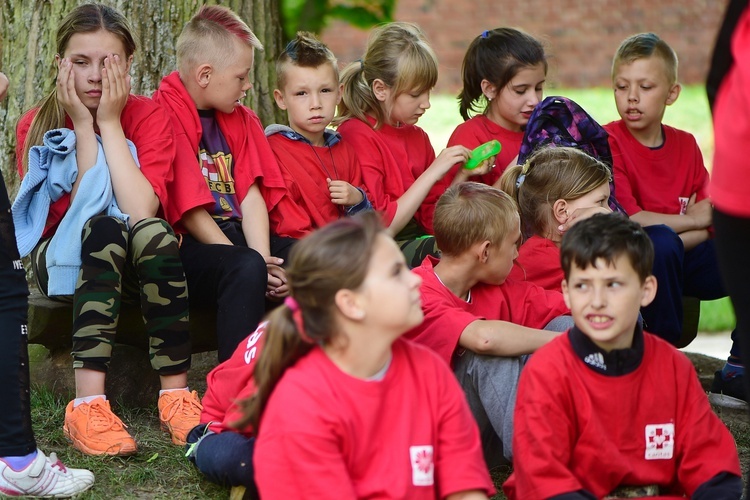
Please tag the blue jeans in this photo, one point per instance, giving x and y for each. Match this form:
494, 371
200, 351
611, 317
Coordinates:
225, 458
678, 273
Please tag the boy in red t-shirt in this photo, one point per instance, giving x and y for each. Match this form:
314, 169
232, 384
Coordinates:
321, 172
608, 410
226, 179
481, 324
663, 185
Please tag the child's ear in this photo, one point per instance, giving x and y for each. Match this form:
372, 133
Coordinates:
564, 286
489, 89
349, 305
279, 98
129, 64
203, 75
674, 93
560, 211
648, 290
483, 251
341, 92
380, 90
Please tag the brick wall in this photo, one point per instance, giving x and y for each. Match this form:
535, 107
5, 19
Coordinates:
580, 35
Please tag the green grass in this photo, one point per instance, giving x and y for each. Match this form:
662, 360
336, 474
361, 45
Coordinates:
716, 316
158, 471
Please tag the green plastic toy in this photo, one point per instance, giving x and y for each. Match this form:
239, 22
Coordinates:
481, 153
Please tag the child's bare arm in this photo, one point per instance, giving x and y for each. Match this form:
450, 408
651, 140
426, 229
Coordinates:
3, 85
502, 338
467, 495
255, 227
698, 216
343, 193
201, 226
691, 239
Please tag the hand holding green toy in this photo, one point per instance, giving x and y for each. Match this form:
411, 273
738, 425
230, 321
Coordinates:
482, 153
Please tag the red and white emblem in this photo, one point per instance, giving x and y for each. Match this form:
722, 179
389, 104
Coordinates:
422, 465
659, 441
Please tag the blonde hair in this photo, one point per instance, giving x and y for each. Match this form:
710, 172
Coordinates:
642, 46
398, 54
551, 174
304, 51
86, 18
209, 36
470, 213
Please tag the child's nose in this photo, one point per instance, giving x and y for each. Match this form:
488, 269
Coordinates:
599, 299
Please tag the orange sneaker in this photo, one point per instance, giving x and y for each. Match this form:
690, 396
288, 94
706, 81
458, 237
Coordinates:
95, 430
179, 412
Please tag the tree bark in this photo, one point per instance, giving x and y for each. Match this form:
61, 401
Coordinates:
27, 55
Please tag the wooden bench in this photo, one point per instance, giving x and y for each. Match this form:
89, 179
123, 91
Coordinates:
51, 321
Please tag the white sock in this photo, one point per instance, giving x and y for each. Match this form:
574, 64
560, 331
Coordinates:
88, 399
176, 389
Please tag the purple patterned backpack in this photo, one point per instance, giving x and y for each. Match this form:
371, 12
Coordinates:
559, 121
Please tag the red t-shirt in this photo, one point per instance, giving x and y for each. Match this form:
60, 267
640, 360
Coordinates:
478, 130
538, 262
579, 429
304, 168
656, 180
446, 316
730, 177
231, 382
252, 158
146, 125
411, 435
392, 158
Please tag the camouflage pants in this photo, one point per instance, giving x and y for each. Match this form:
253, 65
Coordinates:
141, 265
415, 244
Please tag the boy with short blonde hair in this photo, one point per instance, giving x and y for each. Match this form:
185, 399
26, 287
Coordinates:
321, 172
225, 176
662, 184
607, 410
481, 324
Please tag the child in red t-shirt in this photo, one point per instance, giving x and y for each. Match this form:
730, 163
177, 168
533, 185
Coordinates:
504, 72
661, 181
334, 370
321, 172
608, 410
554, 189
479, 322
384, 95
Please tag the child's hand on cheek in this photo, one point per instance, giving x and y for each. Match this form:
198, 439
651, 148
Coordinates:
115, 90
580, 214
67, 96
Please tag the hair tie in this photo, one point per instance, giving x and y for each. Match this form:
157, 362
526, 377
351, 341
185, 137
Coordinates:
293, 306
485, 33
361, 64
522, 177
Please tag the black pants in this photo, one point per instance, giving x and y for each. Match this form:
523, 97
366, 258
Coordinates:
230, 279
16, 435
732, 243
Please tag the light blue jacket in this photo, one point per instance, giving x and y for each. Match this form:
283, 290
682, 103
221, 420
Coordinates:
52, 172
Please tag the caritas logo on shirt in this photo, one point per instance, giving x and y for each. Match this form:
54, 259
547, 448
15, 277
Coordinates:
659, 441
422, 465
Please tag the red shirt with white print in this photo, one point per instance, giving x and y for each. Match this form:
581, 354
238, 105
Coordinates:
411, 435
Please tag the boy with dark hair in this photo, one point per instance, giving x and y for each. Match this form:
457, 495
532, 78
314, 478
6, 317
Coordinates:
608, 410
321, 173
481, 324
226, 179
661, 181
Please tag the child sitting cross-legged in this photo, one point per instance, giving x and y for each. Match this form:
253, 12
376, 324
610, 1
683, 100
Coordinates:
321, 172
480, 323
607, 410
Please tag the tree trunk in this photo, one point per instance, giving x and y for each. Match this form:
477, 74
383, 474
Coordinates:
27, 55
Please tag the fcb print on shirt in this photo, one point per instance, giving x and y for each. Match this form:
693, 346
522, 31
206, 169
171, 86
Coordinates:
217, 167
659, 441
422, 465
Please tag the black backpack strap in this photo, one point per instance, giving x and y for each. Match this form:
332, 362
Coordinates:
722, 58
